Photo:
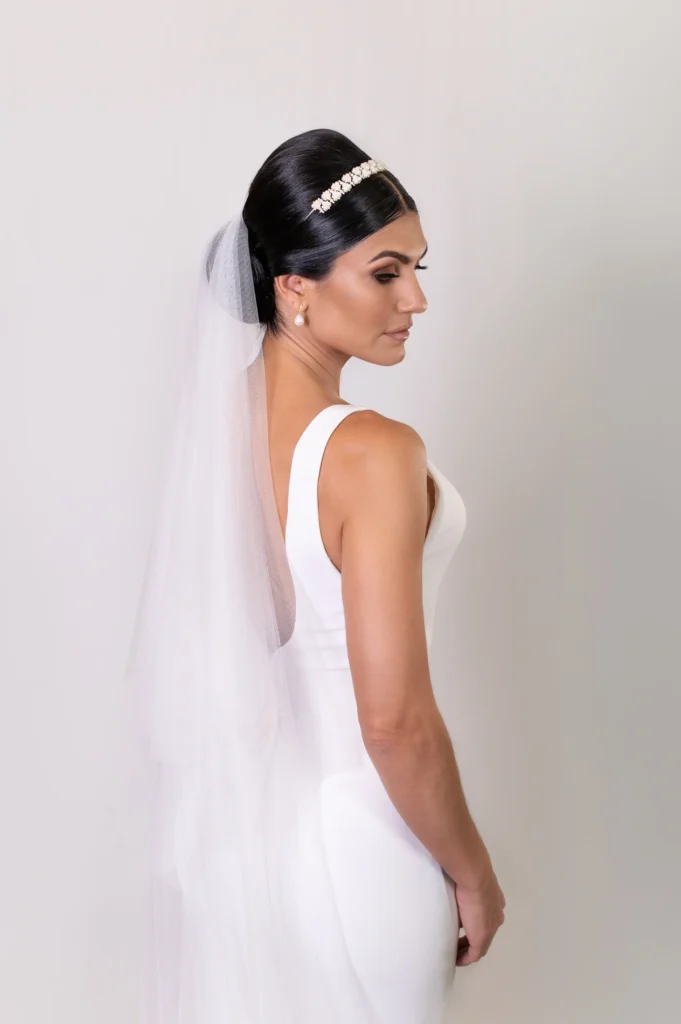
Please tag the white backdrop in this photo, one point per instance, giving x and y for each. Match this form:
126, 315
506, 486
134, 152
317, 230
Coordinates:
540, 140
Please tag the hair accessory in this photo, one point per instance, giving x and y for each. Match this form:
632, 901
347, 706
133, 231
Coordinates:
334, 192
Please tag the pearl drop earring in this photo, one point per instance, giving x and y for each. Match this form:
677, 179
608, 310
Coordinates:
299, 319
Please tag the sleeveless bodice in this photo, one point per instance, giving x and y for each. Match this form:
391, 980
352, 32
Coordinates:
318, 640
317, 580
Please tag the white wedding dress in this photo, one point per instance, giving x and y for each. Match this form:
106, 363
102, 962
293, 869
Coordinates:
396, 907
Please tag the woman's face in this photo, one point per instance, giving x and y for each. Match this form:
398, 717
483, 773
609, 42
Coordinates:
372, 290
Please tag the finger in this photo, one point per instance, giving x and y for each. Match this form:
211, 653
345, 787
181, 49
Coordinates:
469, 956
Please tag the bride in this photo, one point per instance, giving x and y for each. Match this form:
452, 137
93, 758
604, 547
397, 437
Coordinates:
313, 859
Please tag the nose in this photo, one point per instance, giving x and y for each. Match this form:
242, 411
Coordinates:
412, 299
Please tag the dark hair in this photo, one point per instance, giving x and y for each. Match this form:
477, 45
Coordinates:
283, 239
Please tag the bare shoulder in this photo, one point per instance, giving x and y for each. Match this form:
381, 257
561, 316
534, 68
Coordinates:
374, 458
367, 439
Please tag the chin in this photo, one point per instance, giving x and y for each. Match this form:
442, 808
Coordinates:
383, 355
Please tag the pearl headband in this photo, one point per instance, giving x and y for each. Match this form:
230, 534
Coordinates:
334, 192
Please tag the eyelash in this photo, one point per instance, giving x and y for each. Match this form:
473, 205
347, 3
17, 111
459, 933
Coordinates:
384, 278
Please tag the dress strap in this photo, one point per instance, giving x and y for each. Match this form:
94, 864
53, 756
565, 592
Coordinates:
302, 516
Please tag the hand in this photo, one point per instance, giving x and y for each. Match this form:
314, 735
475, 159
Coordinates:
481, 913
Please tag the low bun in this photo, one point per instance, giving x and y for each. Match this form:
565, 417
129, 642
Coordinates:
263, 282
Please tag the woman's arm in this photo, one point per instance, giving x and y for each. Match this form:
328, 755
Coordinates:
385, 512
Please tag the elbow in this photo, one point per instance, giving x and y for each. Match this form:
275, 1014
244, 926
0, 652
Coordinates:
380, 737
389, 735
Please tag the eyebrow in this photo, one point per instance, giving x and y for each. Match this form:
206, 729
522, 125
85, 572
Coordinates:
398, 256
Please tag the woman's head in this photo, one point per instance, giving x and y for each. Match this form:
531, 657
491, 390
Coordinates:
327, 261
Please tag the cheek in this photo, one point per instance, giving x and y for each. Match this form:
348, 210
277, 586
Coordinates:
364, 303
351, 313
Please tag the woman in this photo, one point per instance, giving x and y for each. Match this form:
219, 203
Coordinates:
314, 856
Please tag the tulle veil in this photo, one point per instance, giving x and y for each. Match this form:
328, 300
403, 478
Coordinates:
234, 779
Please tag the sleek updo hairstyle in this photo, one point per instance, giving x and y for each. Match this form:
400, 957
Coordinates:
283, 239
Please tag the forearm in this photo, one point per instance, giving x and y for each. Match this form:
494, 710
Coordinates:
418, 768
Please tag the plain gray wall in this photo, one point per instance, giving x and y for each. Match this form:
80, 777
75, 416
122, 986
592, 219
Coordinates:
540, 140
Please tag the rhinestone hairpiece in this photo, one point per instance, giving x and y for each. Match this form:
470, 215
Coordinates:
333, 193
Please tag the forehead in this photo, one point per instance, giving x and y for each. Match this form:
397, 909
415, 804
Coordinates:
403, 235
